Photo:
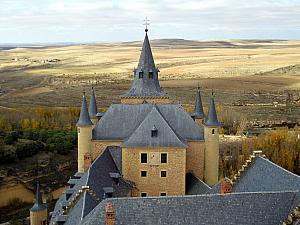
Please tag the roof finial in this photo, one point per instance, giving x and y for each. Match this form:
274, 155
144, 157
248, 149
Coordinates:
146, 24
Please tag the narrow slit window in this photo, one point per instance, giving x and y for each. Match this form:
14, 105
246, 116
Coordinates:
141, 74
151, 75
213, 131
154, 132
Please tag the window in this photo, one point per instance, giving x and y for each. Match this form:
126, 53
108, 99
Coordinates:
144, 158
143, 173
163, 158
163, 173
151, 75
141, 74
143, 194
163, 194
154, 133
213, 131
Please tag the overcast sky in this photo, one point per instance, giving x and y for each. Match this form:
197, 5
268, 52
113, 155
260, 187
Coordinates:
31, 21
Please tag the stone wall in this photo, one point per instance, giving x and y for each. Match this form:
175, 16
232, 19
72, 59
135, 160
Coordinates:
154, 184
98, 146
195, 158
37, 218
140, 100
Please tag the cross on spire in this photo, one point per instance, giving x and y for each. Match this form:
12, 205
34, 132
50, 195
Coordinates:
146, 24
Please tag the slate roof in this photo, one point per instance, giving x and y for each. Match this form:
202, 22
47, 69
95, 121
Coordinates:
264, 175
38, 205
145, 86
84, 118
236, 208
93, 110
195, 186
121, 120
166, 136
198, 110
212, 119
97, 178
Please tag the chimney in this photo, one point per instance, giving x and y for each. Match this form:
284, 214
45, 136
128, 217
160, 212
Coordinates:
87, 161
110, 214
226, 186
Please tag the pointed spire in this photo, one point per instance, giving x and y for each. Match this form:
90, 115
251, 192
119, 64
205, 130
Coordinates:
212, 119
198, 111
93, 110
38, 205
84, 118
145, 81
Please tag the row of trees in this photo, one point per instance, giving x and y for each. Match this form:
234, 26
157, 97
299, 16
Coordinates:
39, 118
280, 146
25, 143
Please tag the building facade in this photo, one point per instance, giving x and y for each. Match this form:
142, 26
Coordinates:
148, 148
160, 141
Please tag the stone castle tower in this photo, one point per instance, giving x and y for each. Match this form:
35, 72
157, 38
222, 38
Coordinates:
160, 143
39, 211
84, 130
211, 136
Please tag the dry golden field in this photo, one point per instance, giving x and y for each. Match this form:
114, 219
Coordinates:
240, 71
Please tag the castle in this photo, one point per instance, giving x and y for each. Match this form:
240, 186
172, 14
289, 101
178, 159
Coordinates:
148, 161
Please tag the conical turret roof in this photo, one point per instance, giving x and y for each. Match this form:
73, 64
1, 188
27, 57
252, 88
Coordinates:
38, 205
84, 118
212, 119
93, 110
145, 81
198, 111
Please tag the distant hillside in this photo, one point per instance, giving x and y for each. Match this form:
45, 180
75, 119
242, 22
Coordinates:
292, 70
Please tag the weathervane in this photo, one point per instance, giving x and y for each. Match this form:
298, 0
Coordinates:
146, 24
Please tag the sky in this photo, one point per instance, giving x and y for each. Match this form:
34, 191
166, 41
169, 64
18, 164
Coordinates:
52, 21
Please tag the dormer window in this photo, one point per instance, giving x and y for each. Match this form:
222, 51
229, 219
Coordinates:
141, 74
154, 132
151, 74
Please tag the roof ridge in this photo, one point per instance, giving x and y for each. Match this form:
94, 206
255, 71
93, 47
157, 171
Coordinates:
178, 136
194, 196
248, 162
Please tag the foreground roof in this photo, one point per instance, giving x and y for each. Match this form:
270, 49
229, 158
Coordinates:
237, 208
121, 120
264, 175
91, 188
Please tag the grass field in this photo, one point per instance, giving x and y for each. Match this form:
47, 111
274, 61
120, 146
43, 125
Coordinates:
241, 72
